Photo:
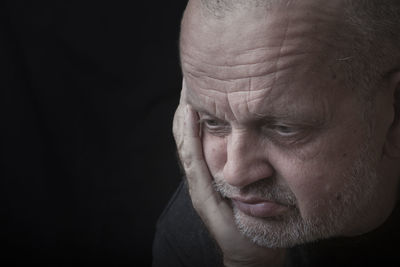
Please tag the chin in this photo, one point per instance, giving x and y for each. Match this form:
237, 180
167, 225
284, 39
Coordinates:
287, 230
273, 232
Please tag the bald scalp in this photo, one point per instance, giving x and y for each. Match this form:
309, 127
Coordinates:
371, 35
221, 8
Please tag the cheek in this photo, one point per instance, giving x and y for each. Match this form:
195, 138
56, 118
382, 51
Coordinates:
315, 188
321, 182
214, 149
317, 181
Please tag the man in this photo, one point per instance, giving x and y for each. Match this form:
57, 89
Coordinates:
288, 132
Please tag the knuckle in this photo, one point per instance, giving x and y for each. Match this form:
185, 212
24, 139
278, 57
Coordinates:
187, 162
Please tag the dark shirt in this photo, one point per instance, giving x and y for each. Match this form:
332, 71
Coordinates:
183, 240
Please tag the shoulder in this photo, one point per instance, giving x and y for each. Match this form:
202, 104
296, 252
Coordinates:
181, 238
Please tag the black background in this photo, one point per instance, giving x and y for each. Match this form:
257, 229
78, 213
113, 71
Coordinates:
87, 95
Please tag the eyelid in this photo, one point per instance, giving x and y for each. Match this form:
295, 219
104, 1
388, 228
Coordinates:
205, 117
293, 129
218, 128
205, 120
301, 135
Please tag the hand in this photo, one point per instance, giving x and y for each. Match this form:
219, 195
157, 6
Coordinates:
215, 211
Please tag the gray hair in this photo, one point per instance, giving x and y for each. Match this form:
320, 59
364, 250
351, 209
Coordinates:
377, 23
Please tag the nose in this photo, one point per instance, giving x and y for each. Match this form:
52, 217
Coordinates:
246, 160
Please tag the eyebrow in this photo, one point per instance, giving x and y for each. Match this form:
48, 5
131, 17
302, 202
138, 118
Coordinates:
197, 106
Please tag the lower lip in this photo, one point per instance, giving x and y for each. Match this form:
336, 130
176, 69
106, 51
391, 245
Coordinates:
261, 209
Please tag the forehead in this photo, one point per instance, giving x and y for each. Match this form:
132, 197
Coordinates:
262, 58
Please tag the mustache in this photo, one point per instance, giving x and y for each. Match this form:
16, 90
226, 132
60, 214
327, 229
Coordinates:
267, 189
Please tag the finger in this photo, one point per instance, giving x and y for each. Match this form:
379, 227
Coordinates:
178, 126
183, 98
198, 174
179, 118
187, 134
193, 152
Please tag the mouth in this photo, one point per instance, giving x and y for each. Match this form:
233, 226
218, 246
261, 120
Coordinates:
257, 207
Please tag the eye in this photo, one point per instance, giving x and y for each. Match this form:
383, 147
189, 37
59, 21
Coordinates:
210, 123
285, 130
286, 134
214, 126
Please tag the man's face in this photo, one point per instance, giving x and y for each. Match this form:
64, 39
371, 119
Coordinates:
285, 139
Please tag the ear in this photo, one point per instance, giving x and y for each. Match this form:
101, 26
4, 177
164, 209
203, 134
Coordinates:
392, 145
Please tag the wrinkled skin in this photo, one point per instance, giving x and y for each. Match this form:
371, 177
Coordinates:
269, 91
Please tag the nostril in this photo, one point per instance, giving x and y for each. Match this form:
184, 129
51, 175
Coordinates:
245, 173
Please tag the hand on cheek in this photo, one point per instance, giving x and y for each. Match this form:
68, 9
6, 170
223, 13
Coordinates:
215, 211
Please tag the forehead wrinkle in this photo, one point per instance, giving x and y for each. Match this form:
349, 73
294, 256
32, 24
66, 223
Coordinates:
273, 70
278, 105
244, 107
238, 59
241, 109
199, 107
210, 100
205, 85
